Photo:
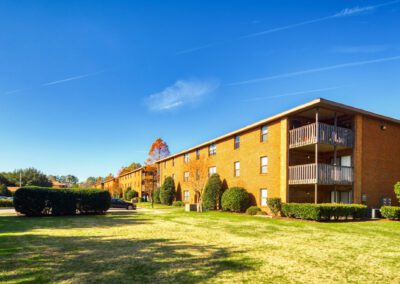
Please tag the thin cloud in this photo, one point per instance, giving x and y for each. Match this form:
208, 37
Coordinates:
359, 49
314, 70
180, 93
72, 78
293, 94
347, 12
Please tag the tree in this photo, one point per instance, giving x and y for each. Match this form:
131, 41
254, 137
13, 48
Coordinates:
29, 176
69, 180
167, 192
212, 192
158, 150
397, 190
198, 173
5, 181
4, 191
130, 168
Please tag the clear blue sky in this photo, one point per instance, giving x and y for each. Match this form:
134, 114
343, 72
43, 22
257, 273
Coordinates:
86, 86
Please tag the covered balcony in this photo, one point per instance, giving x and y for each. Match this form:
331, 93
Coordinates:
323, 174
321, 133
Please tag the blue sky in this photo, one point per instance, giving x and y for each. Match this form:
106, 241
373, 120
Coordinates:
86, 86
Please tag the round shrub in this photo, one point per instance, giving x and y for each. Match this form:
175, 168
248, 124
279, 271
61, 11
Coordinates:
177, 203
157, 193
275, 205
212, 192
4, 191
253, 210
130, 194
390, 212
235, 199
167, 192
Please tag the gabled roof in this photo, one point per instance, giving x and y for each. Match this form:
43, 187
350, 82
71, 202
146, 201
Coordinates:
312, 104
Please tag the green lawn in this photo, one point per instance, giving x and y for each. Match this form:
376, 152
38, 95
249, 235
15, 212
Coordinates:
169, 246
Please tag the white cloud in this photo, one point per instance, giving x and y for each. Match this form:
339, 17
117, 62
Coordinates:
355, 10
180, 93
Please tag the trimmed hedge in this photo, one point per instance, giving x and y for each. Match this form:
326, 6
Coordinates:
275, 205
391, 212
326, 211
235, 199
212, 192
253, 210
39, 201
130, 194
6, 203
178, 203
167, 192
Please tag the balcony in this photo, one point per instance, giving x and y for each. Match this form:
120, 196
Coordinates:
327, 134
327, 174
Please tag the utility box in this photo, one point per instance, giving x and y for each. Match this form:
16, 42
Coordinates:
190, 207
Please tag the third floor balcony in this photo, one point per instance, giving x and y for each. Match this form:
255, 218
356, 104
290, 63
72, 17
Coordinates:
321, 133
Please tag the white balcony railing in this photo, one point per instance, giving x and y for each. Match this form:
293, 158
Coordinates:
327, 134
320, 174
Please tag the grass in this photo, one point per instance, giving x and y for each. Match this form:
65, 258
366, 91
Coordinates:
168, 245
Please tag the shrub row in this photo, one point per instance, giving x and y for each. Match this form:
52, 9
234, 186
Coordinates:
253, 210
6, 203
309, 211
390, 212
38, 201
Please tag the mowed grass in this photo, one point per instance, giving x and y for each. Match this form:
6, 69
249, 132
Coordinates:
168, 245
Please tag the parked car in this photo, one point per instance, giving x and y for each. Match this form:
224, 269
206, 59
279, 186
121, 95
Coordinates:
118, 203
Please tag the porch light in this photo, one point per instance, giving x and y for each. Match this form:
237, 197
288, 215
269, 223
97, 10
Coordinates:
383, 127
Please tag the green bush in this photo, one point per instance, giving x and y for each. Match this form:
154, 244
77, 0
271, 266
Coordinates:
390, 212
167, 192
397, 190
327, 211
235, 199
6, 203
4, 191
157, 193
178, 203
253, 210
275, 205
212, 193
130, 194
38, 201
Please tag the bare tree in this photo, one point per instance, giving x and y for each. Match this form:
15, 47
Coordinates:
198, 175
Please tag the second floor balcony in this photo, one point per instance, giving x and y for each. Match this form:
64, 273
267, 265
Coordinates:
323, 174
321, 133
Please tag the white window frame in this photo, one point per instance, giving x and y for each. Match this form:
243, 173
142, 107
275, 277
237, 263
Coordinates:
185, 176
186, 195
264, 133
212, 149
236, 142
264, 199
264, 166
236, 169
186, 158
212, 170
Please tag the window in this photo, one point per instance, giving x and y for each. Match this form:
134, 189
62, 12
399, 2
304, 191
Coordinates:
264, 196
263, 165
197, 174
264, 133
173, 176
173, 162
186, 158
198, 154
237, 142
186, 195
212, 150
212, 170
186, 176
236, 169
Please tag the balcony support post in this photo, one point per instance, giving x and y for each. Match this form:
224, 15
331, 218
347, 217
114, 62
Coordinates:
316, 155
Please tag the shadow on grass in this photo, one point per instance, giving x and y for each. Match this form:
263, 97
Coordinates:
27, 257
84, 259
15, 224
